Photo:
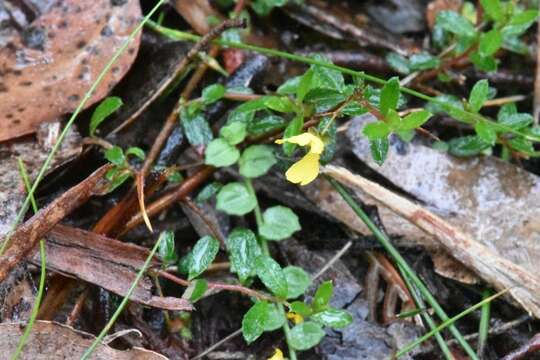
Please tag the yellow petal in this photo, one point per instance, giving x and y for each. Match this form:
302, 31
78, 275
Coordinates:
316, 145
305, 170
278, 355
294, 317
302, 139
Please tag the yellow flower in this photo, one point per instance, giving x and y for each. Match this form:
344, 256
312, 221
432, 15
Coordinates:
278, 355
306, 169
296, 318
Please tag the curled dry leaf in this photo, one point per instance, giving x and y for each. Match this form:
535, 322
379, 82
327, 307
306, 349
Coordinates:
53, 341
46, 68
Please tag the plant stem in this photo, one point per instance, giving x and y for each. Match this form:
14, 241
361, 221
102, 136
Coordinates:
464, 115
483, 328
427, 318
385, 242
123, 304
266, 251
447, 323
41, 288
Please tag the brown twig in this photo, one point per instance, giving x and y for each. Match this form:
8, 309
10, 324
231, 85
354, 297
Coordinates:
172, 118
177, 194
218, 286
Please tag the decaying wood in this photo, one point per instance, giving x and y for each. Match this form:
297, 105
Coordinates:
52, 63
27, 235
53, 341
105, 262
501, 273
493, 200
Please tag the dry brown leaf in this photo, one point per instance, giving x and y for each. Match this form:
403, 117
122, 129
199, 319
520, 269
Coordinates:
52, 341
46, 69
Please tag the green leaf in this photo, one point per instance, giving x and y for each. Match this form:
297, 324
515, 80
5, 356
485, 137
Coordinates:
516, 121
254, 321
212, 93
166, 249
485, 132
389, 96
208, 191
326, 78
294, 128
290, 86
272, 276
306, 335
323, 296
334, 318
104, 110
235, 199
195, 290
136, 151
279, 103
117, 177
493, 9
424, 61
256, 160
301, 308
456, 24
263, 7
324, 99
490, 42
297, 281
265, 124
220, 153
379, 149
202, 255
376, 130
398, 63
487, 64
522, 145
115, 155
275, 319
467, 146
195, 127
520, 22
479, 94
243, 250
304, 85
279, 222
234, 132
414, 120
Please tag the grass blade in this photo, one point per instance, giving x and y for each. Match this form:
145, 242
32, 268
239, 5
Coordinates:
41, 287
385, 242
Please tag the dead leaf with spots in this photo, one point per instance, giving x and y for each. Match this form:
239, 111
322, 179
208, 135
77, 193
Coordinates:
46, 68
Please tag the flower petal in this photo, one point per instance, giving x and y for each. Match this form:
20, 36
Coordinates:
305, 170
316, 146
302, 139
